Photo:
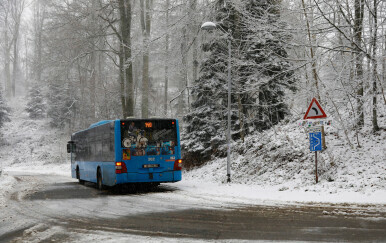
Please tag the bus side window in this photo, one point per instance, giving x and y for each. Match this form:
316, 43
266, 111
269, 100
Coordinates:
99, 148
112, 141
105, 148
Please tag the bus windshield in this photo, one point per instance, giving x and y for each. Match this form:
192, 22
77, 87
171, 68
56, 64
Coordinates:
149, 137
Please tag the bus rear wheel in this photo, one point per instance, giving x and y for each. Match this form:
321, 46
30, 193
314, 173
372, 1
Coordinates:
78, 176
99, 180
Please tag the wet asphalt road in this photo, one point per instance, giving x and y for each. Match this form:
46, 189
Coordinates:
41, 200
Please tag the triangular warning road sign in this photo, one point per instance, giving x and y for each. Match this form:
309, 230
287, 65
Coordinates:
314, 111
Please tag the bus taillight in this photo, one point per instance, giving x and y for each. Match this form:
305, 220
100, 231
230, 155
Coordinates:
120, 167
178, 164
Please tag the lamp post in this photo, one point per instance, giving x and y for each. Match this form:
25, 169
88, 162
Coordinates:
212, 26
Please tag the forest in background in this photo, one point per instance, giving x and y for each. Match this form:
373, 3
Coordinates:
82, 61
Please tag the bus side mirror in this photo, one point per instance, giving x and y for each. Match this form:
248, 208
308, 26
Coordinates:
70, 147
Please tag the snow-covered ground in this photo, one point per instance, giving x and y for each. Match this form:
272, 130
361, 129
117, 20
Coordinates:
273, 167
277, 165
30, 142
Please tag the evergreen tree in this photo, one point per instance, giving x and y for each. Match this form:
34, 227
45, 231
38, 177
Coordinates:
61, 105
206, 122
35, 106
267, 71
4, 111
260, 75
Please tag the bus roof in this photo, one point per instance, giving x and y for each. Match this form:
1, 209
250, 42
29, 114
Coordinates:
146, 119
100, 123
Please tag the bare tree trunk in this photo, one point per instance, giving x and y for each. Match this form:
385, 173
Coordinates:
358, 27
122, 77
183, 74
26, 62
166, 59
146, 27
82, 93
126, 64
313, 64
15, 63
39, 18
375, 65
18, 8
383, 64
7, 57
101, 82
93, 62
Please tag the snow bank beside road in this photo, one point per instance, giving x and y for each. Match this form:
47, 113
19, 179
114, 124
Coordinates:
46, 169
265, 195
6, 184
277, 165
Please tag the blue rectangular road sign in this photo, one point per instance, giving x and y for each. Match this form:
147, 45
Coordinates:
315, 141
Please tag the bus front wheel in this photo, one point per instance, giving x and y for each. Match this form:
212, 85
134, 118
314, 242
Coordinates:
78, 176
99, 180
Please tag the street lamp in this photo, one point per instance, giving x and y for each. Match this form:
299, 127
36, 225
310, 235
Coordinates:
212, 26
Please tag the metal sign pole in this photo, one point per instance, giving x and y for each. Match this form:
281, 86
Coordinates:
316, 166
316, 134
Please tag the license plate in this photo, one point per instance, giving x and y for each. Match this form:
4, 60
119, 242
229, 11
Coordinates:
151, 166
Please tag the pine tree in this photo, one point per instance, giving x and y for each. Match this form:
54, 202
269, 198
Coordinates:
4, 111
260, 76
35, 106
61, 105
207, 121
267, 69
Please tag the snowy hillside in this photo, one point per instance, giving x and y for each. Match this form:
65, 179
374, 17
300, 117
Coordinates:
30, 143
280, 158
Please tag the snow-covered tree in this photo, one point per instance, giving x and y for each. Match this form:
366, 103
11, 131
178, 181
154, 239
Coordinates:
4, 110
61, 105
260, 76
36, 106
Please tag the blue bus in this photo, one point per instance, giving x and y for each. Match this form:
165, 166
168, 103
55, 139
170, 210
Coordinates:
117, 152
